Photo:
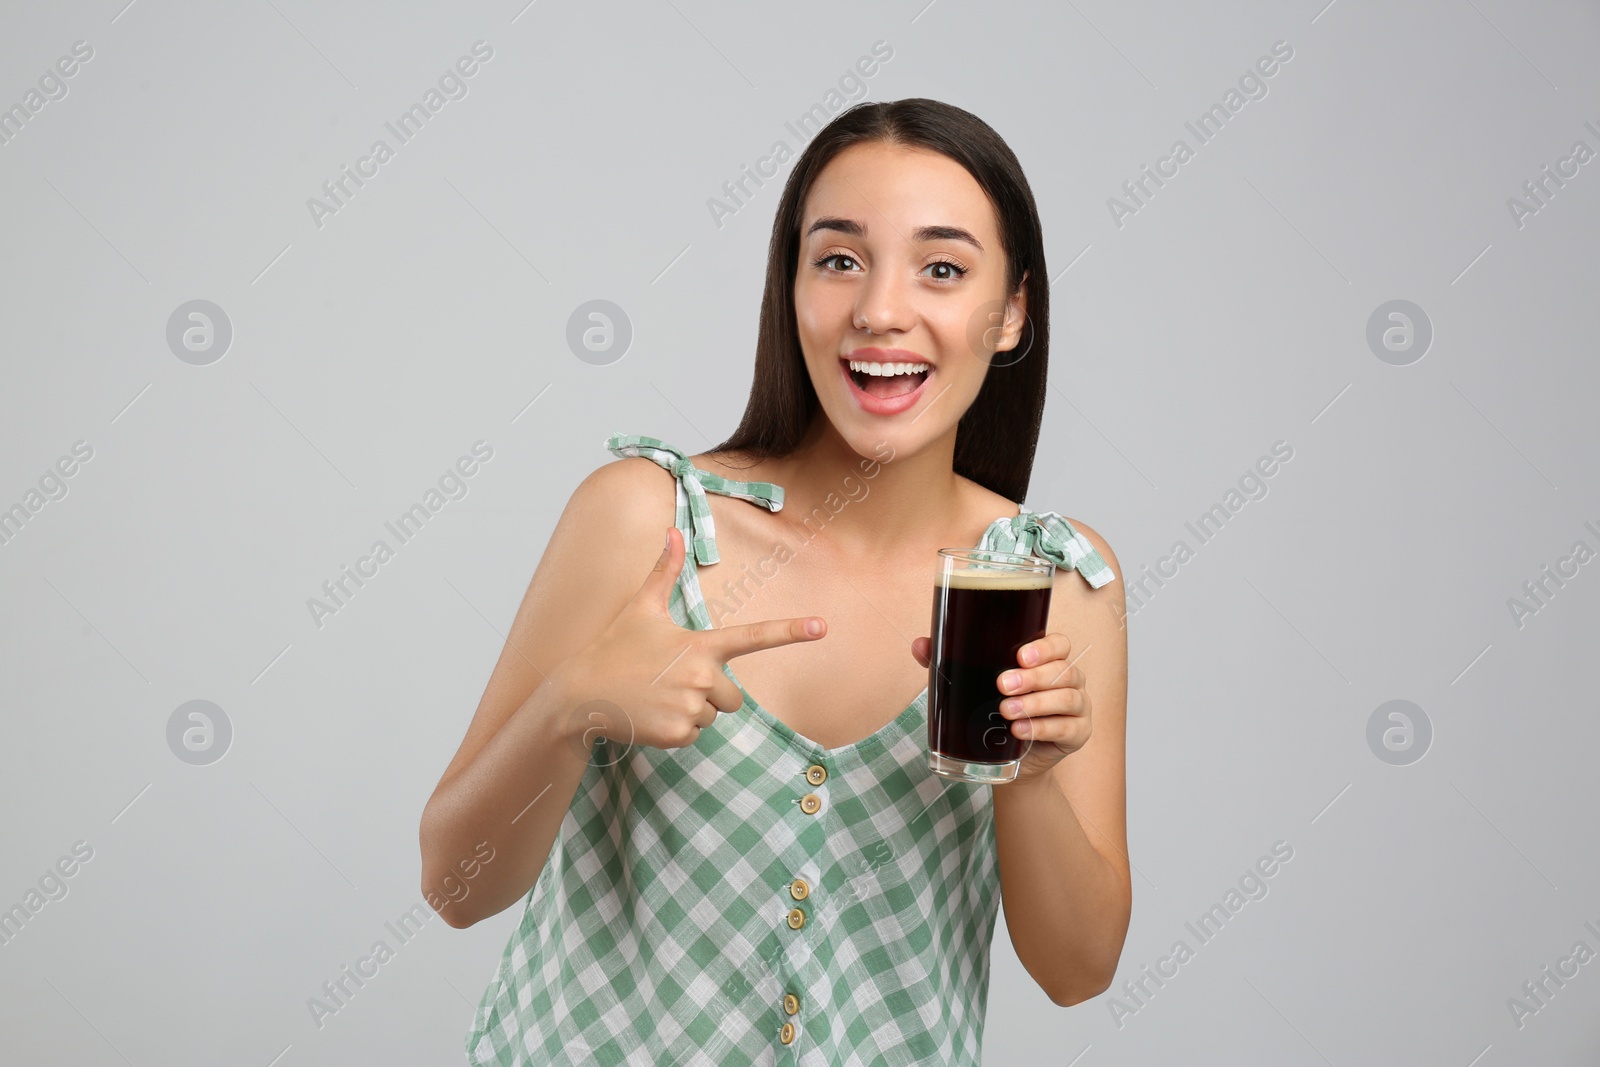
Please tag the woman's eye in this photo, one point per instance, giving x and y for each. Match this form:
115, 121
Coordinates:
944, 270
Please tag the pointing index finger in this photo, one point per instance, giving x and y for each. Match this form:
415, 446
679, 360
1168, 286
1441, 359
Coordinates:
745, 638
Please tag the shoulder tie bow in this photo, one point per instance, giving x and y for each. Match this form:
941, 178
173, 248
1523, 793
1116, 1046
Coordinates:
694, 483
1047, 534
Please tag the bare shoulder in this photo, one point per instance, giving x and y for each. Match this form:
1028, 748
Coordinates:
1093, 618
623, 508
628, 477
609, 538
1113, 589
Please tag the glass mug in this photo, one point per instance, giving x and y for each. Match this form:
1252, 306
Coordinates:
986, 606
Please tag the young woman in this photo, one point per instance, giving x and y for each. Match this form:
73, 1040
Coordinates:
759, 868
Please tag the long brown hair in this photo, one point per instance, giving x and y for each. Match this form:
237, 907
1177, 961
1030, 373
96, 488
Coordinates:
997, 435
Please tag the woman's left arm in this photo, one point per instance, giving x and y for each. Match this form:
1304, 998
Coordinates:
1061, 827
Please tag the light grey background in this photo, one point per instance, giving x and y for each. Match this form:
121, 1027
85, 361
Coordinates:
1228, 313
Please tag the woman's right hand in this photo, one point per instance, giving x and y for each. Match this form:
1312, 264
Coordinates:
658, 683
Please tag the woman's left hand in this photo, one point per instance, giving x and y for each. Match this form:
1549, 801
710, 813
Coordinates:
1046, 703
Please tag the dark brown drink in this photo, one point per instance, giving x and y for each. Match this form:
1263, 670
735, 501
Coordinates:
981, 619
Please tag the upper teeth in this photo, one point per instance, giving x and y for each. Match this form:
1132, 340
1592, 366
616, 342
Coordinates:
887, 370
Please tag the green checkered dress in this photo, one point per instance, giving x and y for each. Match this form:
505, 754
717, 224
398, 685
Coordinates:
755, 898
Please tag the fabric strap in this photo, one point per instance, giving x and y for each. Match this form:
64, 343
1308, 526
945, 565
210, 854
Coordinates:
1046, 534
695, 483
1049, 535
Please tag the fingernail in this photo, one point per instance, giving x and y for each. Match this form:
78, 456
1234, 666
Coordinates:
1029, 655
666, 540
813, 627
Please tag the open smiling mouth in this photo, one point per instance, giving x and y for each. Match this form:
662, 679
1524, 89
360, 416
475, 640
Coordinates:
897, 383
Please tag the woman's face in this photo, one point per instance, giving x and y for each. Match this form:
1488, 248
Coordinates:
900, 262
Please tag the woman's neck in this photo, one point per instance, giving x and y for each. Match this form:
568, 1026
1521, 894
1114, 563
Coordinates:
865, 501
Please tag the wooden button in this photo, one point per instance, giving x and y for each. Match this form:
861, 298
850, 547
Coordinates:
811, 803
816, 774
786, 1035
799, 889
797, 918
791, 1003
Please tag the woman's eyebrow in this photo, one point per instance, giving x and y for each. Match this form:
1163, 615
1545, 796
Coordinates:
922, 233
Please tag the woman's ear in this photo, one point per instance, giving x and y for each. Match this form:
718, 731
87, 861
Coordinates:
1016, 317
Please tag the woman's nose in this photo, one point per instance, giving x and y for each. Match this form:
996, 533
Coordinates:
883, 305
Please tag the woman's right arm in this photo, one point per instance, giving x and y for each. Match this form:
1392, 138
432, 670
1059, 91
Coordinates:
515, 773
